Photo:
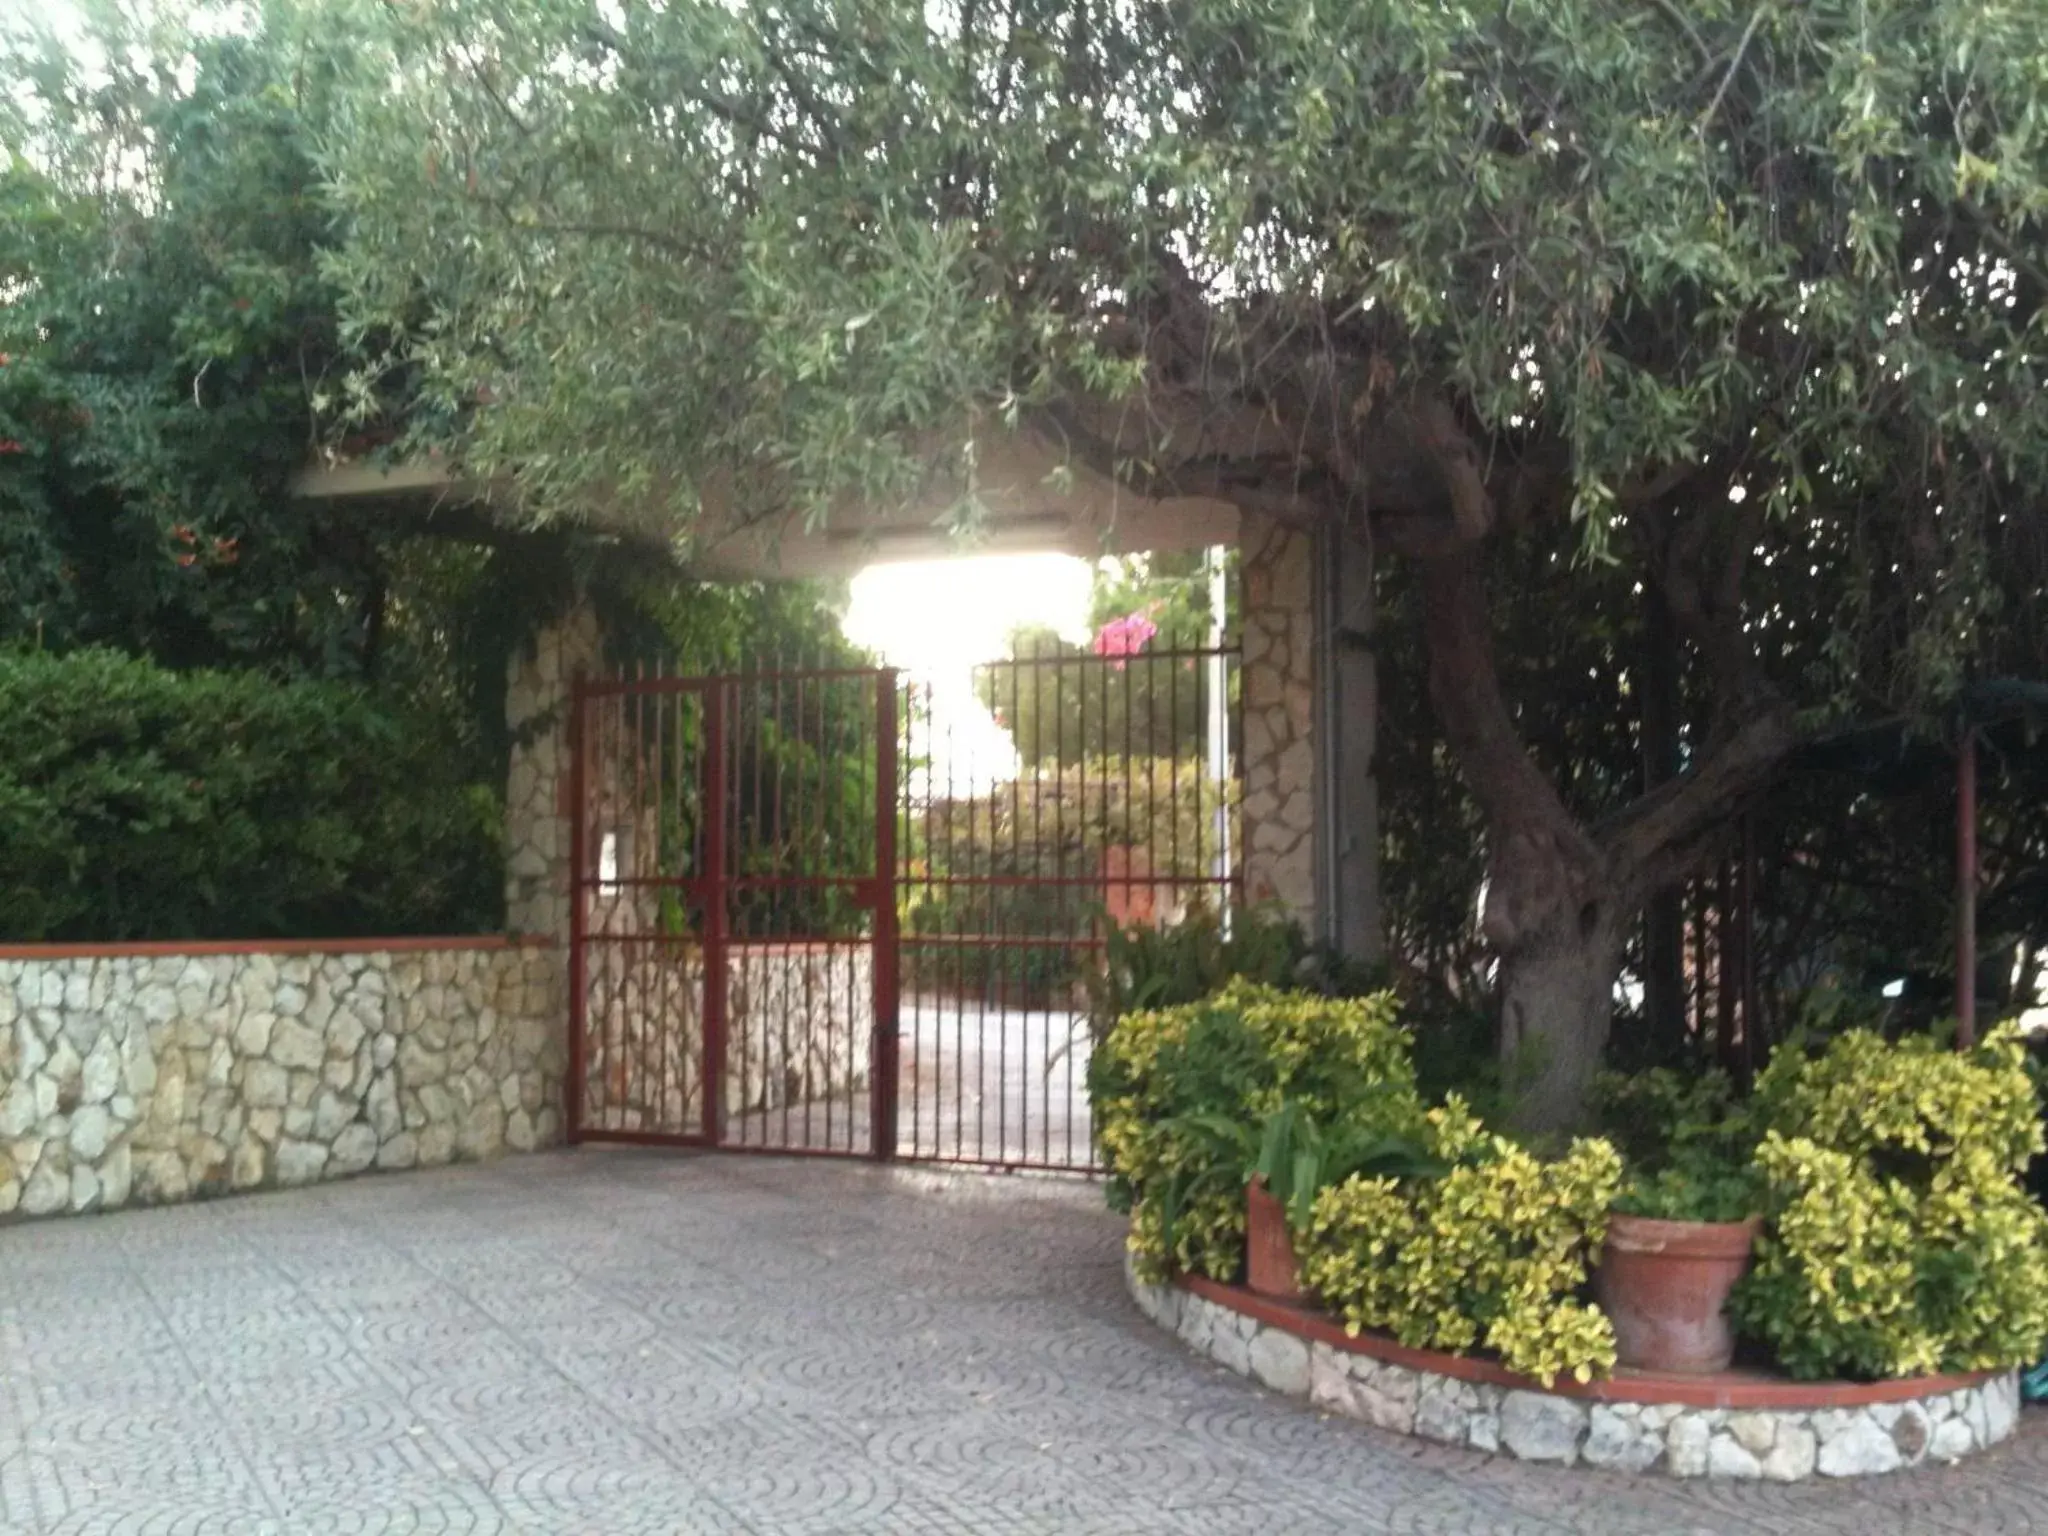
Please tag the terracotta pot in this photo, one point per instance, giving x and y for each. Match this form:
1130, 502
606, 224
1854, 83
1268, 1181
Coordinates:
1269, 1266
1664, 1284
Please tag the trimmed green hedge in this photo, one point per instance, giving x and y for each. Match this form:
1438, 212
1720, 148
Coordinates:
139, 803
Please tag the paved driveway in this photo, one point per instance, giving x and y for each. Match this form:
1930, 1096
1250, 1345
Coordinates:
617, 1342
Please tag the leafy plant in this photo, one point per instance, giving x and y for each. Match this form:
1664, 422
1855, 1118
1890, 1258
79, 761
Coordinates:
1493, 1253
1688, 1143
1146, 968
1901, 1239
1698, 1187
1183, 1097
1298, 1158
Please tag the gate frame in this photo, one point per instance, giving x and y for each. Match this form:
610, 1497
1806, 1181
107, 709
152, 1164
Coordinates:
713, 890
879, 891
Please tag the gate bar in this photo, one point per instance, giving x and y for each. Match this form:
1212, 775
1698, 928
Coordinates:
579, 703
715, 915
884, 1065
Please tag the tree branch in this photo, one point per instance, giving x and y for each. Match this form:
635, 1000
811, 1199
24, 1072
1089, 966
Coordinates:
1542, 864
1664, 837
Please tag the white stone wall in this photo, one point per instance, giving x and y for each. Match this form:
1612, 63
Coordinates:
1279, 717
1777, 1444
799, 1029
803, 1024
145, 1078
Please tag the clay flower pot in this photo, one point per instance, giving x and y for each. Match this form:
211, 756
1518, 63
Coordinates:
1269, 1266
1663, 1284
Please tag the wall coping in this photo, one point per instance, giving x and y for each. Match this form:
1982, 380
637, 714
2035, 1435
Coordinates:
1725, 1389
160, 948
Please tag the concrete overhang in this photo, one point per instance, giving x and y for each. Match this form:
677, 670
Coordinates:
1033, 500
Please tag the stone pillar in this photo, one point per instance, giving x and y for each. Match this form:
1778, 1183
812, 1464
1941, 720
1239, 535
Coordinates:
1279, 595
537, 809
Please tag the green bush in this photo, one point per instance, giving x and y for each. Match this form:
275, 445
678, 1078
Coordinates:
139, 803
1181, 1096
1024, 864
1689, 1144
1495, 1252
1412, 1220
1901, 1239
1145, 968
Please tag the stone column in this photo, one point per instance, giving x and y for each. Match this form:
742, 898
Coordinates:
1279, 717
537, 808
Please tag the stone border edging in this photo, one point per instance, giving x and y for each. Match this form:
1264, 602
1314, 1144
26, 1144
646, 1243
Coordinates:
1628, 1425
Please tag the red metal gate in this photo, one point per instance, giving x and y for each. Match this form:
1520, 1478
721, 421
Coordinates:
732, 971
830, 912
1104, 794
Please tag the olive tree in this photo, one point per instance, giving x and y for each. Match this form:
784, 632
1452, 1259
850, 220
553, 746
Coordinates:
1744, 299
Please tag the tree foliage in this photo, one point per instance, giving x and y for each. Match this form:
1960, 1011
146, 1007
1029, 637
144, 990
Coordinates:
1740, 305
168, 339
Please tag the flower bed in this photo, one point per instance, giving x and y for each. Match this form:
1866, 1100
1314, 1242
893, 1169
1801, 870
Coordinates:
1732, 1424
1442, 1274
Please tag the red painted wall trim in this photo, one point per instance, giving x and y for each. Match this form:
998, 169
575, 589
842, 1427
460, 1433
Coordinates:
1728, 1389
404, 946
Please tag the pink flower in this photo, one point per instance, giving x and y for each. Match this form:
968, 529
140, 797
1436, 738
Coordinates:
1126, 636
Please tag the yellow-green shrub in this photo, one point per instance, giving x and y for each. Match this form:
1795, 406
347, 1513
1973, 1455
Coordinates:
1492, 1254
1162, 1080
1900, 1240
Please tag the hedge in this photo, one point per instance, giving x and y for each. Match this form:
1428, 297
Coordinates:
140, 803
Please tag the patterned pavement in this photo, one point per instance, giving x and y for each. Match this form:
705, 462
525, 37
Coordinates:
621, 1342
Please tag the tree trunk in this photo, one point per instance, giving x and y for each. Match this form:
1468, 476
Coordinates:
1352, 805
1562, 895
1557, 1004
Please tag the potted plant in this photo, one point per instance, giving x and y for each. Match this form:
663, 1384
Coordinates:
1677, 1243
1297, 1159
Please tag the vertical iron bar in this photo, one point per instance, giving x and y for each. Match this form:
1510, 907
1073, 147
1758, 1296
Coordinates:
810, 858
883, 1067
579, 1002
1726, 965
960, 1002
715, 914
1752, 1046
820, 865
657, 867
1966, 892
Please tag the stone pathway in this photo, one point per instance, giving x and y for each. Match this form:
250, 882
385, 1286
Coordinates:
612, 1343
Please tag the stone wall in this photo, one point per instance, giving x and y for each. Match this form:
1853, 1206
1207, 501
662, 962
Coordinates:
1788, 1432
1279, 717
143, 1074
537, 809
803, 1024
800, 1029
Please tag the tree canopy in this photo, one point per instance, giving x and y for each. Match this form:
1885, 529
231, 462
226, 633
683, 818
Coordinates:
172, 356
1683, 359
1740, 302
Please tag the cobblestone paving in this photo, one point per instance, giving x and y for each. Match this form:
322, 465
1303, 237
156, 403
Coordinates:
614, 1343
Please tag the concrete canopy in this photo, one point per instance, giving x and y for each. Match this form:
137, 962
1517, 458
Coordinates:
1036, 500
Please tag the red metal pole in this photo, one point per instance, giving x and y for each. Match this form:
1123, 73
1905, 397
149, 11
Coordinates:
715, 908
1751, 1046
1966, 892
572, 1118
883, 1066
